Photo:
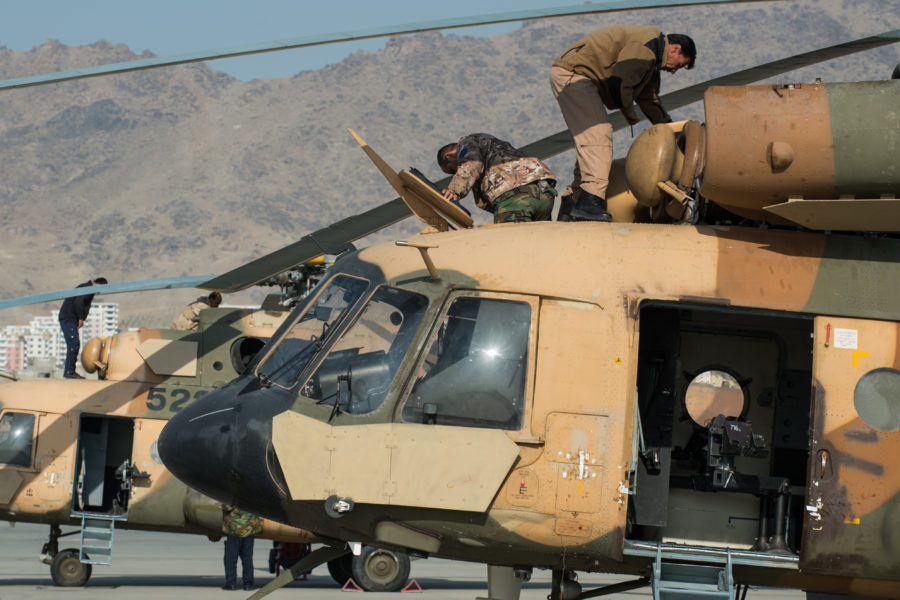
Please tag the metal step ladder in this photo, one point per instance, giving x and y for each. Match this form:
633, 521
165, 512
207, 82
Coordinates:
97, 537
678, 579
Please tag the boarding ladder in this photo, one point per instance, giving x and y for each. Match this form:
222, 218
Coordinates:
675, 579
688, 571
97, 537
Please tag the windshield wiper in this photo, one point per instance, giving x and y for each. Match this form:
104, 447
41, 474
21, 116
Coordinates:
336, 409
322, 335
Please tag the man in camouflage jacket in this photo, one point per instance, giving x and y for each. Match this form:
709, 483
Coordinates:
239, 527
505, 182
189, 319
611, 68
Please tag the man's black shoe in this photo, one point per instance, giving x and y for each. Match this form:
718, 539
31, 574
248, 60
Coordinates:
565, 208
230, 588
590, 208
72, 375
248, 586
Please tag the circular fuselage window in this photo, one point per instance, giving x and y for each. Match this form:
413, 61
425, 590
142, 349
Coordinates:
712, 393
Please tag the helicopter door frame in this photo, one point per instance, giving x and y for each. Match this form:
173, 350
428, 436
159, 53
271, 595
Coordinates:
146, 468
104, 443
853, 487
585, 417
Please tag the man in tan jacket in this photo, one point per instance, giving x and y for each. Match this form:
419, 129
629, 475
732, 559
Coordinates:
614, 68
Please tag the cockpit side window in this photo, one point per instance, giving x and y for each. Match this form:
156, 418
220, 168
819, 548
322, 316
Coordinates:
475, 372
360, 367
284, 364
16, 438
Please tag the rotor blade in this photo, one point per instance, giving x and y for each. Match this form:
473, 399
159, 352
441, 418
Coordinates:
348, 36
109, 288
357, 226
310, 246
693, 93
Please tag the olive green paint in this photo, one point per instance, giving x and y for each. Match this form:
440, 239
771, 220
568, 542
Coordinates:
865, 127
857, 277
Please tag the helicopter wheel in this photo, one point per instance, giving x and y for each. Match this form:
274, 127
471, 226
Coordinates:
68, 571
341, 568
379, 570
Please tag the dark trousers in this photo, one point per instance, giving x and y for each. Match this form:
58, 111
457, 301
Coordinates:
73, 343
234, 547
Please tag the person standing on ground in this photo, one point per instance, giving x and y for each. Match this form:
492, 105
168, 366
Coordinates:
240, 527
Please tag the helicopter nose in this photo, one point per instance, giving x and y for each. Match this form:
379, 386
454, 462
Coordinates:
221, 445
196, 445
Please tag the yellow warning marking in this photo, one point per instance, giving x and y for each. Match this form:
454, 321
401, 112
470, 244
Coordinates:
857, 354
854, 521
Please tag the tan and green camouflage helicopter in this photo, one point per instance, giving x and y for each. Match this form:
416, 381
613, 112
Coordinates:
527, 460
83, 453
700, 405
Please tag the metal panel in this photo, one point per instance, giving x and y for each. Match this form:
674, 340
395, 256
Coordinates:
577, 445
170, 357
852, 523
453, 468
841, 215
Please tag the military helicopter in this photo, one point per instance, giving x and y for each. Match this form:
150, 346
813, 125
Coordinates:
84, 453
332, 314
705, 406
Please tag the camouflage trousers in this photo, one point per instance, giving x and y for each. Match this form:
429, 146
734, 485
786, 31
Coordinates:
529, 202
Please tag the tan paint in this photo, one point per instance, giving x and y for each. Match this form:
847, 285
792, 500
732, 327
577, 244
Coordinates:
742, 125
777, 271
842, 215
853, 474
452, 468
170, 357
416, 204
153, 499
571, 489
52, 459
10, 480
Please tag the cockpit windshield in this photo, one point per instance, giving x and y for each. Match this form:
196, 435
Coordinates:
358, 371
284, 364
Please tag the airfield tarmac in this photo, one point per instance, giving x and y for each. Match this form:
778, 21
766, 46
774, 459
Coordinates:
180, 567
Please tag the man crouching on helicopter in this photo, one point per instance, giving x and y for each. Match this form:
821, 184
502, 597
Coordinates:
514, 187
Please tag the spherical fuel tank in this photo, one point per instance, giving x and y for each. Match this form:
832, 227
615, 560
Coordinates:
767, 144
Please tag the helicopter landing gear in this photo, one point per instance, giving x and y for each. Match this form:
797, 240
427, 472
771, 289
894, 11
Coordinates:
503, 583
564, 585
380, 570
68, 571
65, 567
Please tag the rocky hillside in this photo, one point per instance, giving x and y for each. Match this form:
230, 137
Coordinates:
187, 171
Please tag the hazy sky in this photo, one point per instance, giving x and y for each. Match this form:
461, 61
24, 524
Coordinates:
168, 27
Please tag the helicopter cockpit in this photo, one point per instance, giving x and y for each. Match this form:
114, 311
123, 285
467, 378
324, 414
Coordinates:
346, 347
